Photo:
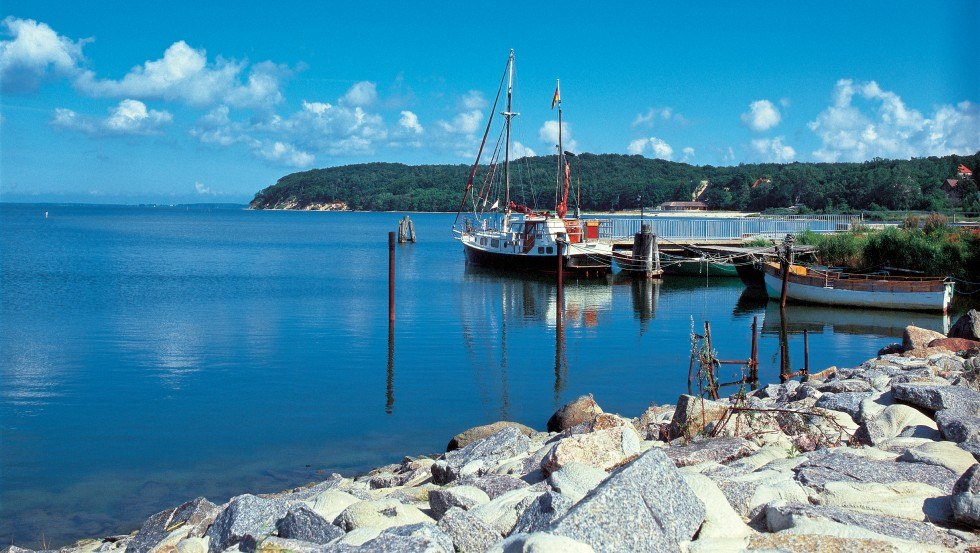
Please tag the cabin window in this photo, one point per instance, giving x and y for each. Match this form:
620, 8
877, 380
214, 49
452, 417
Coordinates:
494, 243
540, 249
483, 241
551, 250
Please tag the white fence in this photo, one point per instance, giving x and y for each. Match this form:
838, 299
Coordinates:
726, 228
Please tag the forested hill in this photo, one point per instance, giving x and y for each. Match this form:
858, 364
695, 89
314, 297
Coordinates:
617, 182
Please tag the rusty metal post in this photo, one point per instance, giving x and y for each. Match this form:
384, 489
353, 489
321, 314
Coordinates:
561, 276
754, 355
806, 355
390, 381
391, 276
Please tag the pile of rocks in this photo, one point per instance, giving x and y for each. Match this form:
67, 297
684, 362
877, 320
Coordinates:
880, 457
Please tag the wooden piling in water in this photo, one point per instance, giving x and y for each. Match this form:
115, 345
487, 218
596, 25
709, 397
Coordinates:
406, 231
391, 276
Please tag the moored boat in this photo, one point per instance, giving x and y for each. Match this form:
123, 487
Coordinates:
876, 291
519, 237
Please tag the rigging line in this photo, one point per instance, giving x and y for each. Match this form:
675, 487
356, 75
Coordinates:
488, 179
486, 132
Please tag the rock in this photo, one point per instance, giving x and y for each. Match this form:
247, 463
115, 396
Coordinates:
693, 414
782, 516
485, 454
494, 485
967, 326
464, 497
898, 420
302, 523
749, 493
192, 545
779, 393
330, 503
954, 344
924, 352
874, 404
382, 513
575, 480
274, 544
412, 538
356, 538
971, 447
845, 402
468, 532
915, 337
723, 449
833, 466
502, 512
937, 398
540, 542
541, 511
908, 500
941, 454
958, 426
583, 409
966, 497
602, 449
654, 423
467, 437
613, 517
158, 527
246, 518
810, 538
848, 385
891, 348
721, 520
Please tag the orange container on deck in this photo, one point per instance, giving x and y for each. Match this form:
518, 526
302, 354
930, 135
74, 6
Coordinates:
592, 230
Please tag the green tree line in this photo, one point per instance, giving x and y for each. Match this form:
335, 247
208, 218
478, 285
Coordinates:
611, 182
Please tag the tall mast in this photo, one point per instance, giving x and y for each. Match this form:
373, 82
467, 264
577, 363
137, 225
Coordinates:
561, 148
508, 114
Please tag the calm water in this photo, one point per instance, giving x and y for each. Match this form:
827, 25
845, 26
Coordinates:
150, 355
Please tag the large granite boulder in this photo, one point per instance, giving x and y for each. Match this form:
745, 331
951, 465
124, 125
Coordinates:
897, 420
464, 497
420, 537
694, 414
539, 512
247, 519
495, 485
917, 338
967, 326
481, 456
540, 542
846, 402
721, 520
582, 409
381, 513
958, 425
829, 465
937, 398
941, 454
467, 437
575, 480
602, 449
966, 497
302, 523
723, 449
190, 518
643, 506
468, 532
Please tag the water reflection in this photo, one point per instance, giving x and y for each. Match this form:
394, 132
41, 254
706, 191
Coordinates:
837, 320
390, 380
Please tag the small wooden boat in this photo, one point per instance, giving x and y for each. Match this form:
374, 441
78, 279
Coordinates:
810, 285
696, 266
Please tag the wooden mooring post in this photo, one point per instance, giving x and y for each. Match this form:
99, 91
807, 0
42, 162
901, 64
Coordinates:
645, 256
406, 231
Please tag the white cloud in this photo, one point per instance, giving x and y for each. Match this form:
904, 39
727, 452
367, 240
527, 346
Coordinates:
688, 154
866, 121
653, 115
659, 148
34, 53
774, 150
130, 117
548, 133
466, 123
762, 116
361, 94
283, 154
184, 74
474, 100
518, 150
729, 155
203, 190
410, 122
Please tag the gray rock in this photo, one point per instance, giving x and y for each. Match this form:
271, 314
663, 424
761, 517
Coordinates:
464, 497
381, 513
582, 409
247, 518
468, 532
915, 337
958, 426
467, 437
413, 538
723, 449
966, 497
157, 527
495, 485
826, 465
489, 451
273, 544
967, 326
849, 385
778, 514
540, 542
973, 447
937, 398
779, 393
846, 402
643, 506
541, 511
301, 523
575, 480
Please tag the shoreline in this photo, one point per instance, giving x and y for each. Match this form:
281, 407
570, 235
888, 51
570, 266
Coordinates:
881, 456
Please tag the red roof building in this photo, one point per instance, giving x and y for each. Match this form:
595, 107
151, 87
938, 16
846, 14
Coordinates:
964, 172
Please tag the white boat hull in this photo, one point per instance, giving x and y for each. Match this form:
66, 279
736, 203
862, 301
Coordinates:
916, 301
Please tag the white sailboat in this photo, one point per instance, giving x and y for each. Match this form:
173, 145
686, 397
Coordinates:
519, 237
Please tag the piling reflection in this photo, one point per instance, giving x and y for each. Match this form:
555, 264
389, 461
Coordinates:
390, 380
645, 294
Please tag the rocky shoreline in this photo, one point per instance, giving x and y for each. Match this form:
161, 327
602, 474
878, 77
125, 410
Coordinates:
879, 457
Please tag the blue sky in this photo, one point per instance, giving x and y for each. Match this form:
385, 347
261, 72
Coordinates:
125, 102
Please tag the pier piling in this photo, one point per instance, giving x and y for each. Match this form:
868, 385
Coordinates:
406, 231
391, 276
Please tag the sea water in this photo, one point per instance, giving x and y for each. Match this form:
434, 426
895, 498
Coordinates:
149, 355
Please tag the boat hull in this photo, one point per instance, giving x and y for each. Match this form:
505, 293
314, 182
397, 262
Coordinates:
878, 299
596, 265
696, 267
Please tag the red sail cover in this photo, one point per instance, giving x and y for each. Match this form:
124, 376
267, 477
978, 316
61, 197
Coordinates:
562, 207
